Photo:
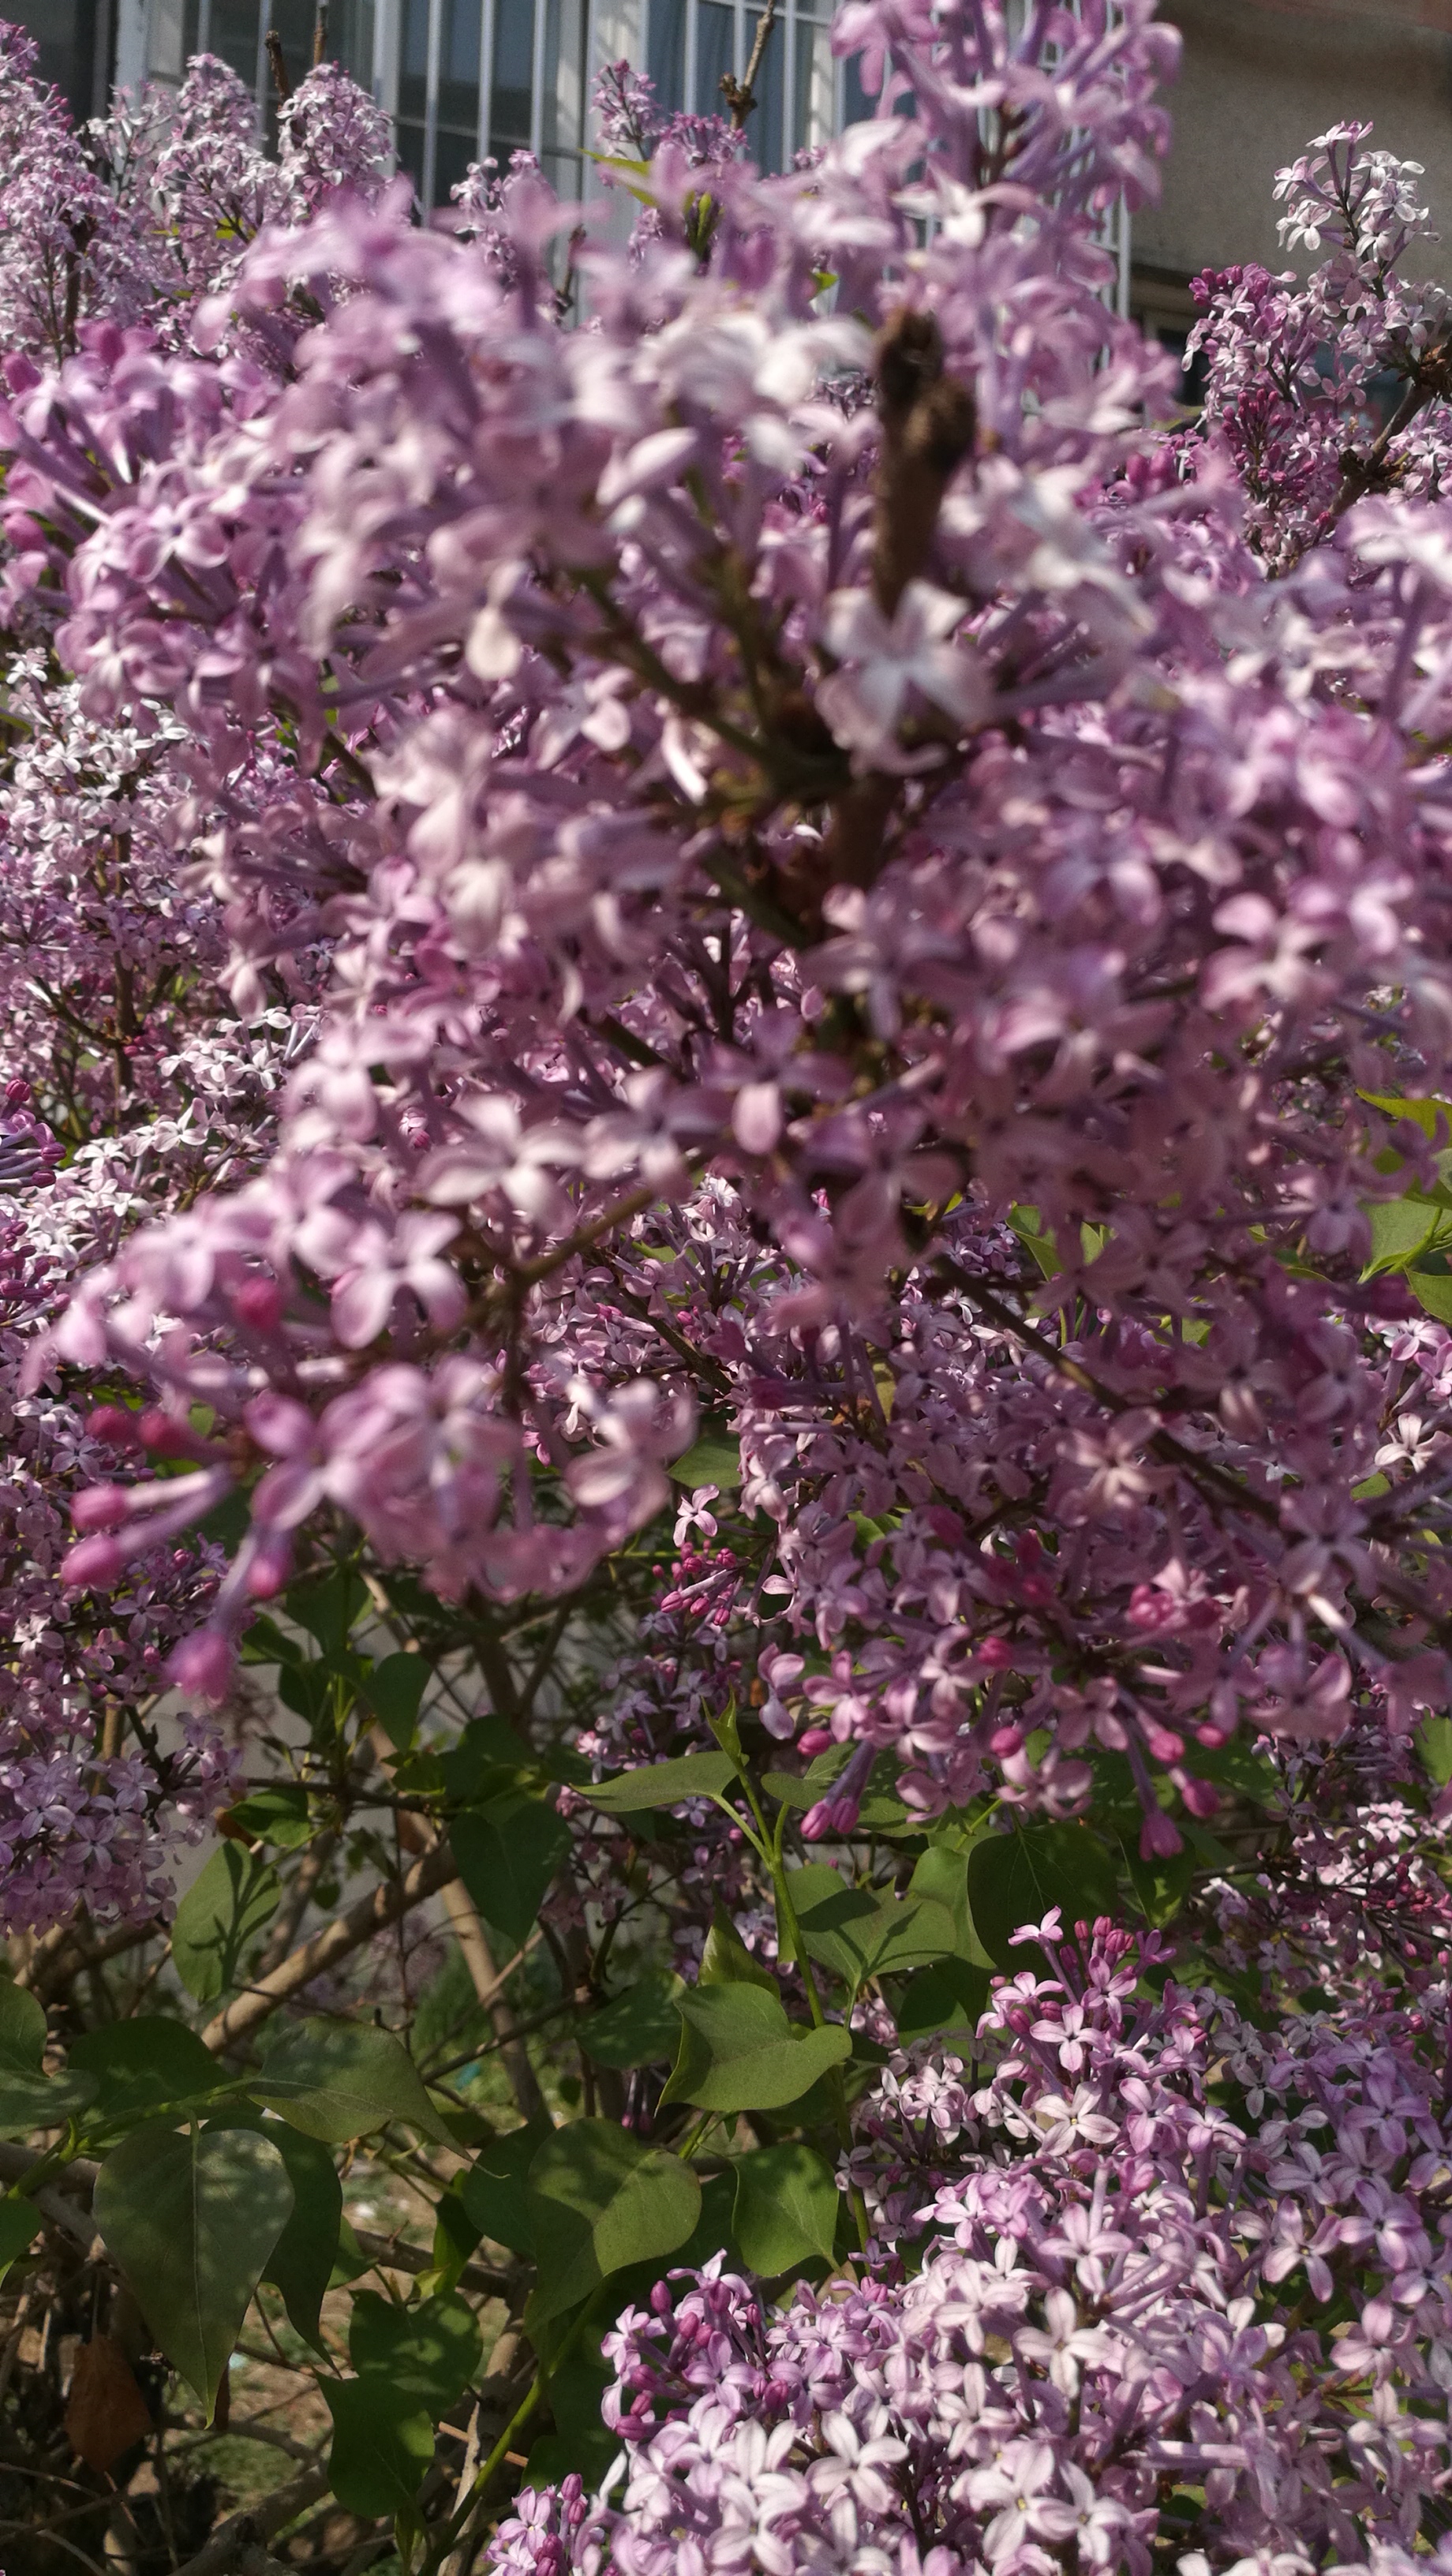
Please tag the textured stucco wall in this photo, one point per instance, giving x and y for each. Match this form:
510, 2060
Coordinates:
1259, 78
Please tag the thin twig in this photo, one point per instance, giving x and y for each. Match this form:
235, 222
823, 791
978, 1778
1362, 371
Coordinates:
373, 1913
280, 81
740, 96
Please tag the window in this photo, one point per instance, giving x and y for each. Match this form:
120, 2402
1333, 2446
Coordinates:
466, 78
236, 31
692, 45
469, 77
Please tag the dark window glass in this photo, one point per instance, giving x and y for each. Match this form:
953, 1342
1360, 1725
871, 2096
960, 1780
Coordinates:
763, 130
666, 52
411, 151
453, 153
413, 58
234, 37
856, 105
715, 56
512, 95
459, 66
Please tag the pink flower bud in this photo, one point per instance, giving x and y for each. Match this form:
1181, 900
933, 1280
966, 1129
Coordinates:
202, 1662
269, 1569
1200, 1796
111, 1422
163, 1435
94, 1562
1159, 1838
258, 1302
101, 1507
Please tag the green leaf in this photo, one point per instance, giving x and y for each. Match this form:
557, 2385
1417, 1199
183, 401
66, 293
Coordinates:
191, 2219
786, 2209
941, 1872
1399, 1230
19, 2227
663, 1784
1434, 1743
640, 2027
264, 1642
950, 1995
1237, 1767
1433, 1292
880, 1808
507, 1855
350, 2262
301, 2262
455, 2238
338, 2080
277, 1816
29, 2101
145, 2066
381, 2451
1426, 1114
599, 2200
393, 1691
859, 1934
427, 2354
1042, 1248
221, 1913
328, 1609
1014, 1879
739, 2052
711, 1462
1160, 1885
726, 1961
22, 2028
494, 2192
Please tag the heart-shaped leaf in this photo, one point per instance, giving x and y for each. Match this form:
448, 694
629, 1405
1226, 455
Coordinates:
427, 2354
221, 1914
338, 2080
663, 1784
739, 2052
1014, 1879
507, 1854
598, 2201
145, 2066
641, 2026
191, 2219
381, 2447
22, 2027
40, 2101
786, 2208
494, 2190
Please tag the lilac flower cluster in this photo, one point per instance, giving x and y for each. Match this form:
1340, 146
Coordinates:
1326, 391
691, 824
1146, 2277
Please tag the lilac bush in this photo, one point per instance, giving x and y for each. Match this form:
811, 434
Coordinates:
726, 1342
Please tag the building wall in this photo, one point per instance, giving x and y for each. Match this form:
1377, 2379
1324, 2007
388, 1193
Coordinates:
75, 38
1260, 78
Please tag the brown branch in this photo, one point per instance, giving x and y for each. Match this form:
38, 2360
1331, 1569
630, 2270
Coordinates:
228, 2550
320, 33
295, 1903
280, 81
373, 1913
740, 96
64, 1951
488, 1981
391, 2254
929, 422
